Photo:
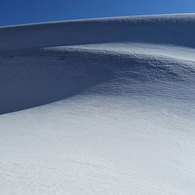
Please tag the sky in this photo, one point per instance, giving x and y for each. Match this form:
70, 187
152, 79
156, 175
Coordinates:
14, 12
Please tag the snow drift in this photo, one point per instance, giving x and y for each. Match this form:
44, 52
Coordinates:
123, 122
170, 29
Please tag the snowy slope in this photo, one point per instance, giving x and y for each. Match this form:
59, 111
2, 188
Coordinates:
104, 106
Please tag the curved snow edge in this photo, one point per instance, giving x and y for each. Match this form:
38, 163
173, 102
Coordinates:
167, 29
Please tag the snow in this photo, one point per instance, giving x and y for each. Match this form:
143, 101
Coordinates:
107, 109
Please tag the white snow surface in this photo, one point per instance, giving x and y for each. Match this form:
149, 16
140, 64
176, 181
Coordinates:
101, 106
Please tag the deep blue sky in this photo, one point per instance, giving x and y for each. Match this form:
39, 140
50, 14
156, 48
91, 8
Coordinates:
31, 11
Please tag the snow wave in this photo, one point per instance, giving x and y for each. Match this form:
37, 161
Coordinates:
39, 76
168, 29
125, 120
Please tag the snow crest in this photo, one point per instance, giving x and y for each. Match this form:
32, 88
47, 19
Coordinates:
112, 106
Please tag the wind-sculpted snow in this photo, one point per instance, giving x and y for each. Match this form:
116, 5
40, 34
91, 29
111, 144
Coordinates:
35, 77
168, 29
113, 106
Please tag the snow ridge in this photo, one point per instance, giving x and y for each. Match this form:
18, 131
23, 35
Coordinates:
112, 106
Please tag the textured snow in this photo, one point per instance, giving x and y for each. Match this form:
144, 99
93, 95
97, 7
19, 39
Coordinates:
102, 106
